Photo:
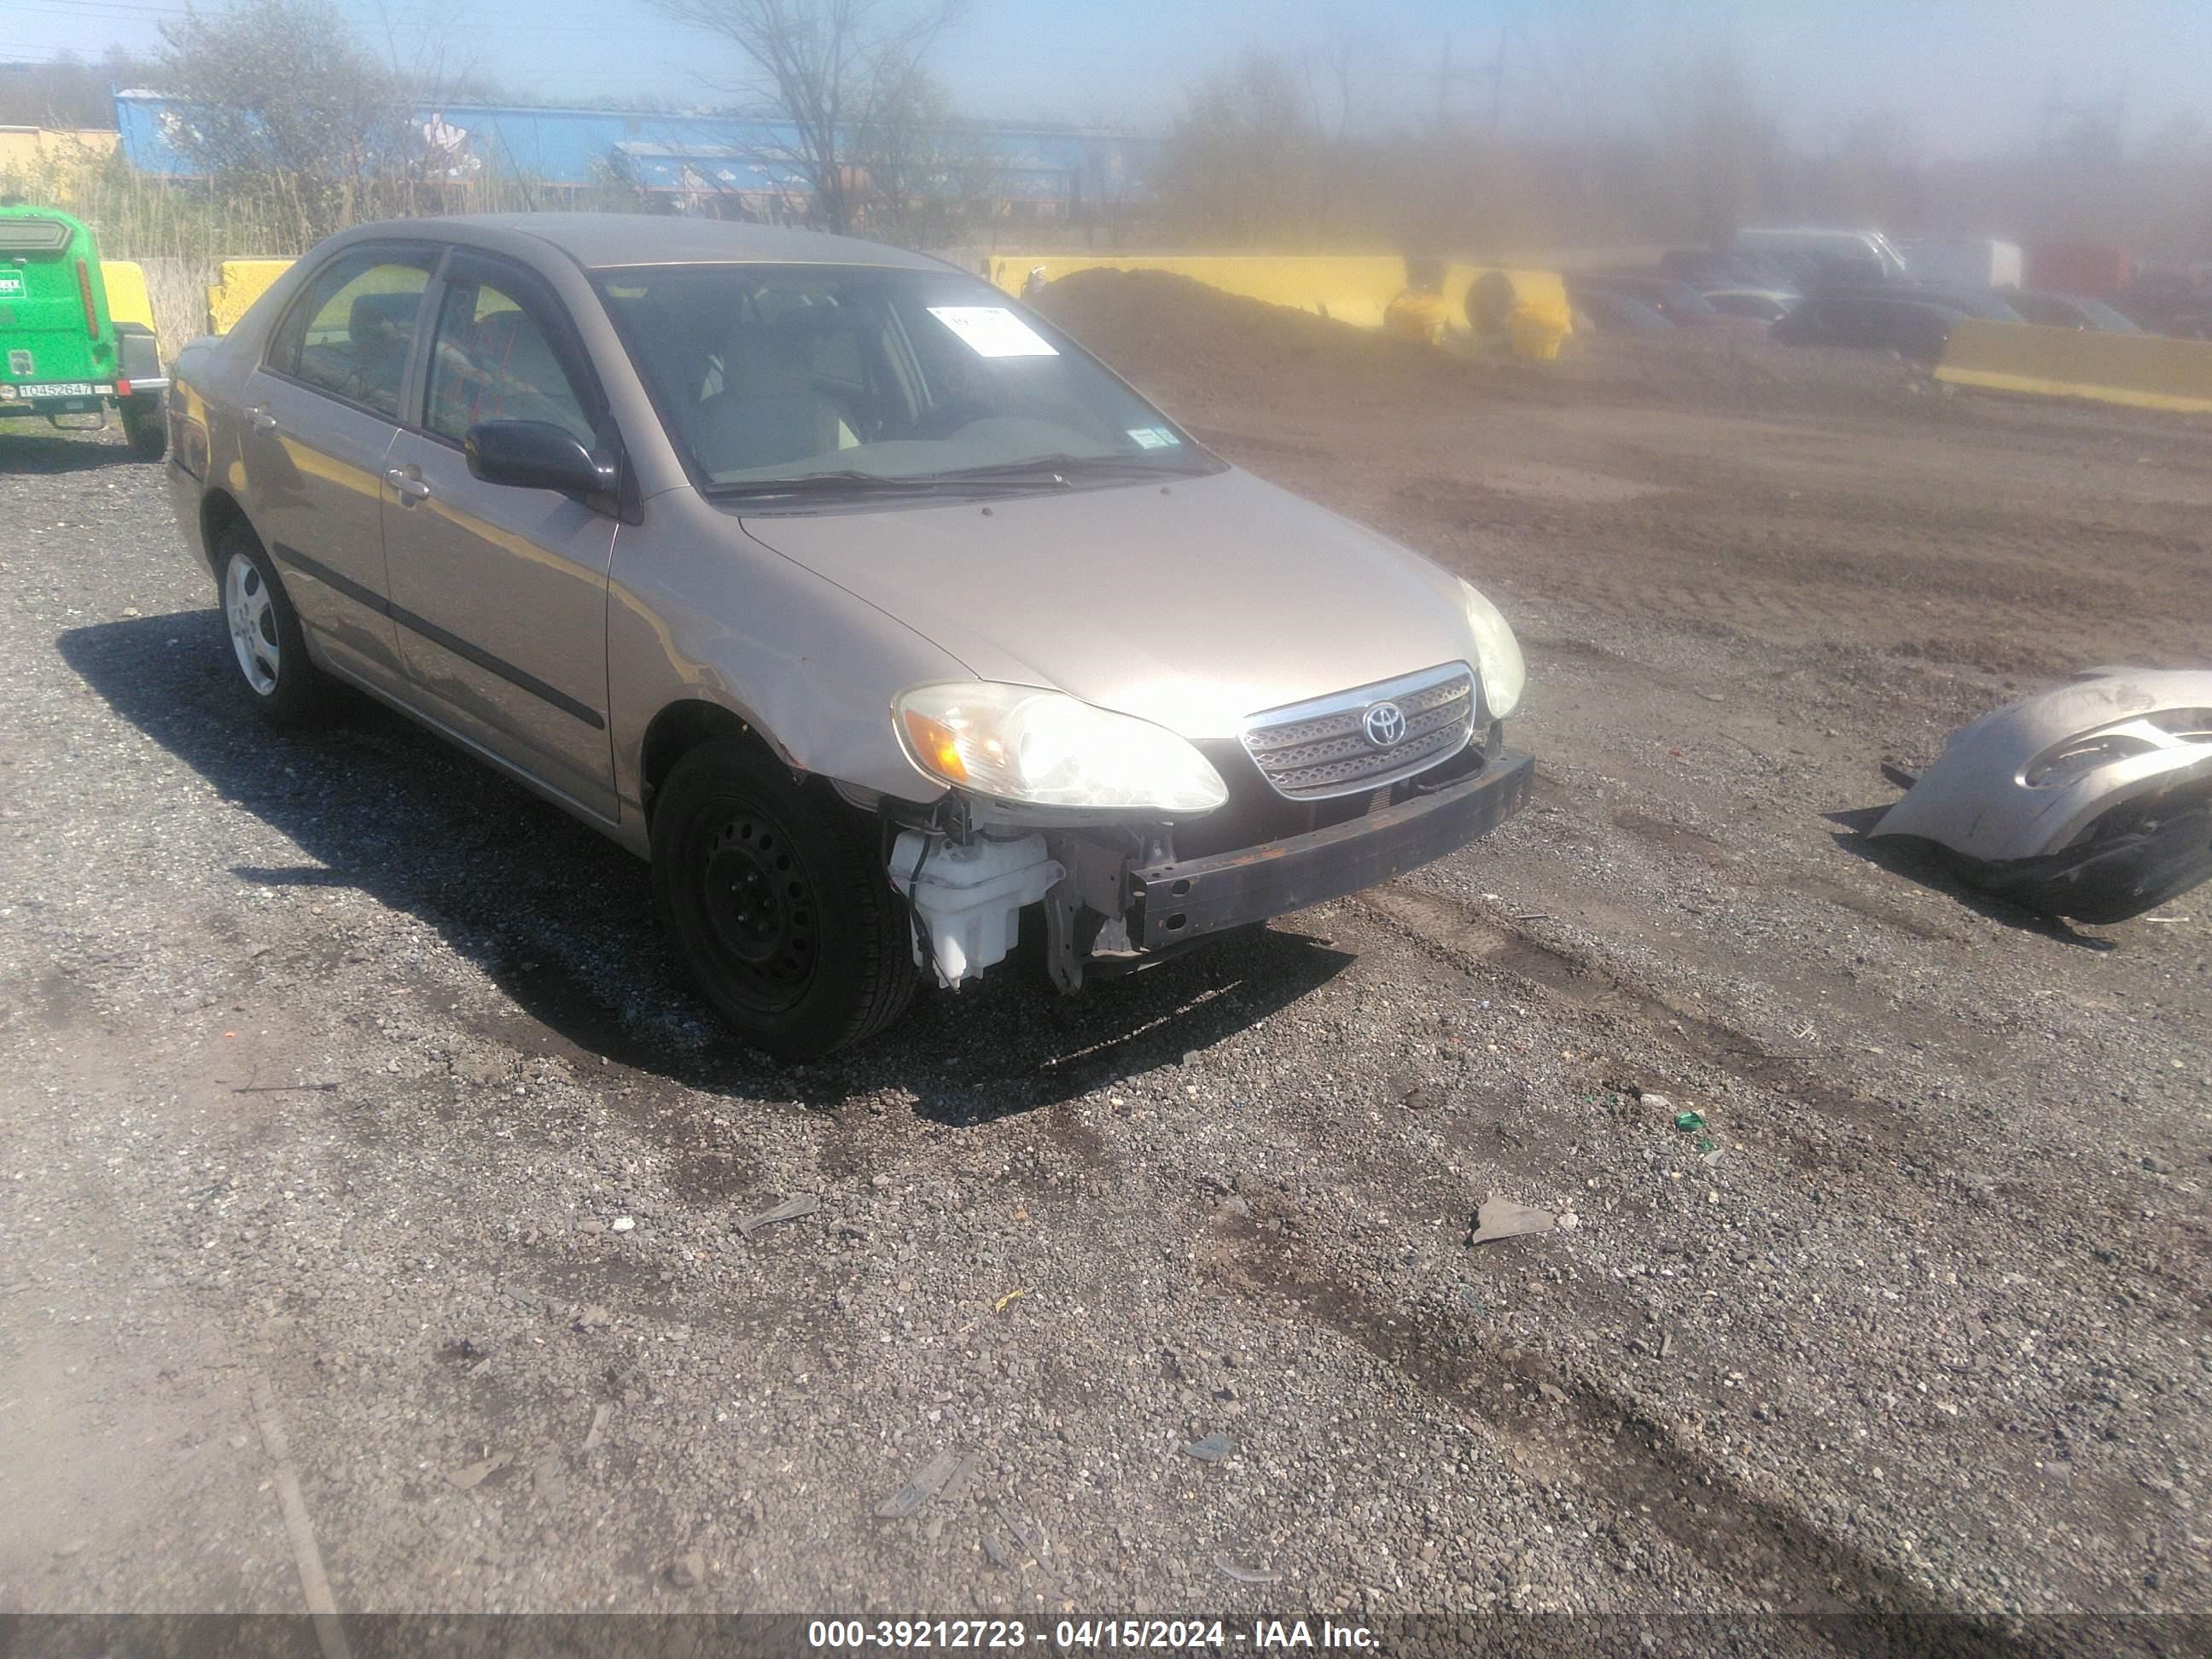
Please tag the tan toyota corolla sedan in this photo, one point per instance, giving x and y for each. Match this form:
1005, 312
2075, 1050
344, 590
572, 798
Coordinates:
893, 629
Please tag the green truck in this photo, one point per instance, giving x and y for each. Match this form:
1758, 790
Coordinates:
62, 353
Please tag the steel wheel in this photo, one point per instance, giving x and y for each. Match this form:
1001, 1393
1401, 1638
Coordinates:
762, 916
776, 900
251, 611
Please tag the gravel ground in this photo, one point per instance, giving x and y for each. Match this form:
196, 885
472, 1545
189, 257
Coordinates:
349, 1092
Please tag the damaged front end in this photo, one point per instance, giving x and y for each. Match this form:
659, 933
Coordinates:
2093, 801
1311, 808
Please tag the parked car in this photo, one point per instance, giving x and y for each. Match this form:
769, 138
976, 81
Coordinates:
1703, 269
1764, 305
1967, 302
1678, 302
867, 604
2070, 311
61, 353
1866, 254
2173, 302
1912, 328
1616, 313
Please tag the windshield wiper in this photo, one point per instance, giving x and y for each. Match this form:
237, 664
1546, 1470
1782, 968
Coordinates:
1038, 472
1063, 469
825, 483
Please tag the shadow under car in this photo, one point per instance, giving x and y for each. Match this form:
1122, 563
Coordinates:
562, 920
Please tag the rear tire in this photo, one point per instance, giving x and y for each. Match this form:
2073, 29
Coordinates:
263, 633
776, 897
145, 427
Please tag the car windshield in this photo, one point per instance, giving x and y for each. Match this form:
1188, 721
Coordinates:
820, 380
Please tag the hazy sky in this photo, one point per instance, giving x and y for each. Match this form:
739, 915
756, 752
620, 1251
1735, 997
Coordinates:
1966, 76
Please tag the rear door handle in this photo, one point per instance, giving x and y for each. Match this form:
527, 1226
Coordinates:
262, 419
410, 489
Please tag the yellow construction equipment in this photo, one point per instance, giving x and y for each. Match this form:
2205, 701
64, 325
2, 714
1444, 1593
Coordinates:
1418, 313
2147, 371
1360, 288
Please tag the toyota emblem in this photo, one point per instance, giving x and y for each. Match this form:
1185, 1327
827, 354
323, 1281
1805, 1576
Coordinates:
1386, 725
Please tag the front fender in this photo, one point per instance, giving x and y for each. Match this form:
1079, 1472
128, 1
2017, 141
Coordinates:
698, 611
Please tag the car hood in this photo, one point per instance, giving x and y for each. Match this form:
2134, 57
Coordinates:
1193, 605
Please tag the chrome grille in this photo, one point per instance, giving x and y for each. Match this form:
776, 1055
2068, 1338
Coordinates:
1313, 751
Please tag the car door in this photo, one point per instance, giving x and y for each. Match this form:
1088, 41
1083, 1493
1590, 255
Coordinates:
499, 591
320, 413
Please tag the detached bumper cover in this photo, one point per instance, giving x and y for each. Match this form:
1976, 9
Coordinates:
1171, 903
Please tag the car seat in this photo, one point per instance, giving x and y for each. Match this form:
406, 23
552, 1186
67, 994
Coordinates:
772, 410
380, 327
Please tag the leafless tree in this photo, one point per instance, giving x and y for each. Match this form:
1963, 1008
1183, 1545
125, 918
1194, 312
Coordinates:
1243, 159
1334, 71
835, 69
277, 99
1721, 142
69, 92
926, 175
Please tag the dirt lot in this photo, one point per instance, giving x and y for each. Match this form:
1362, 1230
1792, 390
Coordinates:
350, 1093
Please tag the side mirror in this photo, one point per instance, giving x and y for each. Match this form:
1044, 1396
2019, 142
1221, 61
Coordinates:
535, 455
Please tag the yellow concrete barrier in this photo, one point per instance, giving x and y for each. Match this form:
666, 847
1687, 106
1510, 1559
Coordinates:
243, 282
128, 302
1358, 288
2147, 371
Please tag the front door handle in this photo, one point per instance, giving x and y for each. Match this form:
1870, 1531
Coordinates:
411, 490
262, 419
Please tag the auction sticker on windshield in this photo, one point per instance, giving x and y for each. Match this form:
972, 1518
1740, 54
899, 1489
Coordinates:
993, 331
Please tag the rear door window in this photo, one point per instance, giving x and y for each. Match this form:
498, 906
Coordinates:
350, 330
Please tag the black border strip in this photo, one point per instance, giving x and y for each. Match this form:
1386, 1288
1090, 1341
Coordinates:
438, 636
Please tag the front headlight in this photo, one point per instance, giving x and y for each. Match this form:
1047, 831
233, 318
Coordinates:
1016, 743
1497, 654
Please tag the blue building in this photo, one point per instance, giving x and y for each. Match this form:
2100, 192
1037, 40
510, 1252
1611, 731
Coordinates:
707, 162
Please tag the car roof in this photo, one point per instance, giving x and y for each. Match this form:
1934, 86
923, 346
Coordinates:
598, 241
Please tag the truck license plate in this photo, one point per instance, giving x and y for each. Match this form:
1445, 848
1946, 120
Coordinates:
59, 389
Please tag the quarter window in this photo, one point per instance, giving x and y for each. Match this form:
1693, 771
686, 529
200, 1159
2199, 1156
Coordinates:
349, 332
491, 362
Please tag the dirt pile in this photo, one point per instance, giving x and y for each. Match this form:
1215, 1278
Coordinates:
1187, 343
1179, 338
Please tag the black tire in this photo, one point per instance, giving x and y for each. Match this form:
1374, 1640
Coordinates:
776, 898
145, 427
287, 688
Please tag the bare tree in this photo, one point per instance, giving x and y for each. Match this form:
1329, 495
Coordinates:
276, 99
835, 69
1334, 71
66, 92
1721, 142
925, 174
1243, 158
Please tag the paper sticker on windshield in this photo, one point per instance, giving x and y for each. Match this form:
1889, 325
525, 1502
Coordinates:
1153, 437
993, 331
